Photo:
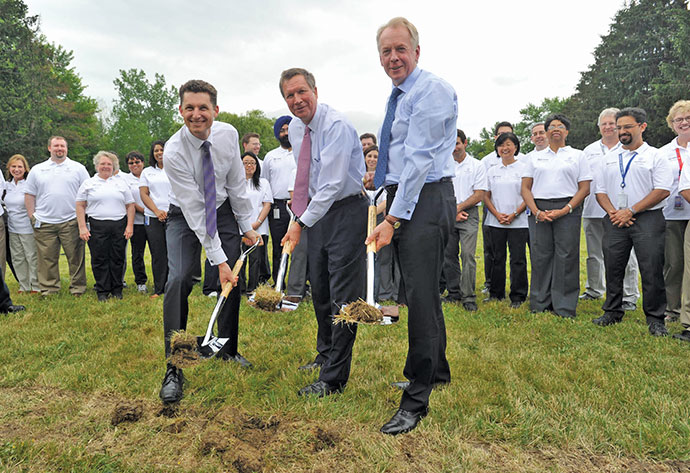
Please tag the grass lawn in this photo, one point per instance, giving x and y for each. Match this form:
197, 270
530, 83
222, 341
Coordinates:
530, 393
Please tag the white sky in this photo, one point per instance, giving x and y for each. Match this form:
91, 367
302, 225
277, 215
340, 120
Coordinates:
499, 55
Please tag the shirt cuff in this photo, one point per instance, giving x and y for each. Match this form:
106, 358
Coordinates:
308, 218
245, 226
402, 209
216, 257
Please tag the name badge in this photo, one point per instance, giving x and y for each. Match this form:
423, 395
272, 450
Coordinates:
276, 213
146, 220
678, 203
622, 200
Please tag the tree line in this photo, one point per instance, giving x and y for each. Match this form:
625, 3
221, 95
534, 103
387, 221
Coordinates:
644, 61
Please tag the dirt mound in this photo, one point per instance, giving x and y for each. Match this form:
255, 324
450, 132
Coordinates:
127, 411
325, 438
183, 350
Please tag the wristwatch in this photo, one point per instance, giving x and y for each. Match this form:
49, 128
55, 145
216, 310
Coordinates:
300, 223
391, 220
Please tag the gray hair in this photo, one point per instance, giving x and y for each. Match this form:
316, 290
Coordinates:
111, 156
606, 112
400, 21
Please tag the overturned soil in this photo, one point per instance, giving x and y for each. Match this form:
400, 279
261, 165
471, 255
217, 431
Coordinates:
266, 298
183, 350
359, 312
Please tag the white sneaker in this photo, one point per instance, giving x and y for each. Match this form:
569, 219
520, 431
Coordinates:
142, 288
212, 294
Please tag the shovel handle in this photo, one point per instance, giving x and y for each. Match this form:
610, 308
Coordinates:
287, 248
371, 224
235, 272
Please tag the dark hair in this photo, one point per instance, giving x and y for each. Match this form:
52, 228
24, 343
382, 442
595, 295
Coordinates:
248, 136
502, 124
199, 86
368, 135
257, 172
638, 114
461, 135
288, 74
134, 155
369, 149
557, 116
152, 160
503, 137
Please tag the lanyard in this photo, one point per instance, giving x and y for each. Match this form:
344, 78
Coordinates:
624, 172
680, 161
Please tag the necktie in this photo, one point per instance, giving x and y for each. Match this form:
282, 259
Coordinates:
209, 189
300, 196
382, 164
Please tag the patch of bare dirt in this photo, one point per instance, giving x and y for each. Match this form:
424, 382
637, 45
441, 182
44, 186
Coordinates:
127, 411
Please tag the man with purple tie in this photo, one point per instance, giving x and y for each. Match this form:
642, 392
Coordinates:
327, 199
209, 207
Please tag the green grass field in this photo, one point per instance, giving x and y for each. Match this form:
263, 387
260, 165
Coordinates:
530, 393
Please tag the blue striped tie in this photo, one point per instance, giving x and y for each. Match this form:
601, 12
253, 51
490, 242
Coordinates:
382, 164
209, 189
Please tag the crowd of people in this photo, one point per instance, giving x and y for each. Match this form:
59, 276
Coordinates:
198, 192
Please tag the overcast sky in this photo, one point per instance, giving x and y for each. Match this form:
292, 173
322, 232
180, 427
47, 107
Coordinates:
499, 55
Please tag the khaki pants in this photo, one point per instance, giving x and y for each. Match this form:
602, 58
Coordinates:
685, 297
48, 238
23, 251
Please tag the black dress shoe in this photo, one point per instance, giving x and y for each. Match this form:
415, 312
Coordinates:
684, 335
470, 306
310, 366
171, 390
607, 319
10, 309
403, 421
658, 329
516, 304
236, 358
319, 389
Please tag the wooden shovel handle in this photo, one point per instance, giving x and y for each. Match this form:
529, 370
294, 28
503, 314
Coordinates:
371, 224
287, 248
235, 272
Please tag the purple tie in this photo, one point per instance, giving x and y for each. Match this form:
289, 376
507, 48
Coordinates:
300, 196
209, 188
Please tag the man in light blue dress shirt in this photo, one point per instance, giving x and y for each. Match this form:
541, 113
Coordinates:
421, 209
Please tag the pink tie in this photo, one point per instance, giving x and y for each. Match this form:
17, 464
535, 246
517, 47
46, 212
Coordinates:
300, 196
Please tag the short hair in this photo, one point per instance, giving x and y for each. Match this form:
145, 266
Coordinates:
462, 135
17, 157
256, 178
400, 21
557, 116
637, 113
288, 74
681, 106
502, 124
107, 154
533, 125
56, 137
503, 137
369, 149
606, 112
199, 86
152, 160
134, 155
248, 136
368, 135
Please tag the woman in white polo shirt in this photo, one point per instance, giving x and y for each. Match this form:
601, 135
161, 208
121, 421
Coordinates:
22, 243
154, 188
109, 205
554, 184
259, 193
507, 222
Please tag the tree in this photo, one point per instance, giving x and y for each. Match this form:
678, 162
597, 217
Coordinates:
253, 121
143, 112
41, 94
644, 61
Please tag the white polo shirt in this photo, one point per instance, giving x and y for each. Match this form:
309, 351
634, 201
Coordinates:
648, 171
505, 183
133, 183
159, 188
595, 152
257, 198
106, 199
556, 175
17, 218
277, 168
677, 208
492, 159
55, 187
470, 175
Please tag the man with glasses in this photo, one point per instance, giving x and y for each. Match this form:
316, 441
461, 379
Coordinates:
634, 182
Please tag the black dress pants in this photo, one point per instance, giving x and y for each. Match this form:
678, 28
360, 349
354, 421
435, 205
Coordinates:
155, 232
278, 227
516, 240
138, 242
107, 245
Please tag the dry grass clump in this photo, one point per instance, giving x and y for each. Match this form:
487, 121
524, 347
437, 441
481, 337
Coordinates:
127, 411
359, 312
266, 298
183, 352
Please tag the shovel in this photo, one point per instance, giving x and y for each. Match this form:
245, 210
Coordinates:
209, 345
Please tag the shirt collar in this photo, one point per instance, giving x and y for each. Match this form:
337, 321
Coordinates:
409, 82
196, 142
315, 122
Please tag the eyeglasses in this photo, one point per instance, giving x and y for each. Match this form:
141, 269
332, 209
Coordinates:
129, 163
556, 127
249, 164
627, 127
679, 120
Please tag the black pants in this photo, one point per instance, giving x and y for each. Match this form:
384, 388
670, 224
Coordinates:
252, 265
516, 240
419, 246
337, 271
647, 236
5, 299
211, 279
155, 232
107, 245
278, 228
138, 242
184, 252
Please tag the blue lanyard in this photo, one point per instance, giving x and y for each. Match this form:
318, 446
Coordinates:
627, 168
